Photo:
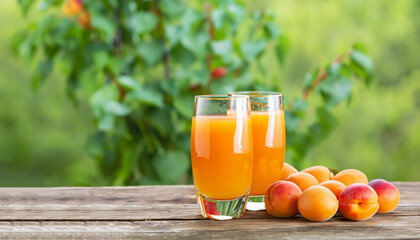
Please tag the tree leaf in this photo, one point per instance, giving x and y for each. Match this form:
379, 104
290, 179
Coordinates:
190, 18
334, 91
218, 17
43, 70
250, 50
299, 107
151, 52
235, 11
114, 65
281, 48
104, 25
327, 120
128, 82
116, 108
222, 86
171, 8
184, 104
25, 5
173, 34
272, 31
196, 43
161, 120
222, 47
292, 121
146, 96
100, 59
102, 95
106, 122
183, 56
199, 76
142, 22
171, 165
243, 81
95, 144
310, 79
365, 65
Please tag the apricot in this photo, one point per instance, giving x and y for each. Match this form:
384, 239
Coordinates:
350, 176
218, 72
358, 202
334, 186
303, 180
281, 199
388, 195
72, 7
288, 170
321, 173
84, 20
317, 203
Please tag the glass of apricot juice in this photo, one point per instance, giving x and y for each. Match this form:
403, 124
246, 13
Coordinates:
221, 155
269, 140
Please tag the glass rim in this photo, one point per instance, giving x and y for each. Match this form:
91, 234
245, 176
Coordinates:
256, 94
221, 96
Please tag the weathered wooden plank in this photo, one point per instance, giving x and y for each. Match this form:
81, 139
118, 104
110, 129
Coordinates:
131, 195
156, 212
183, 194
130, 212
133, 203
382, 227
179, 194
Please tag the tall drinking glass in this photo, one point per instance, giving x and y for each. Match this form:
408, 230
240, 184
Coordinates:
269, 141
221, 155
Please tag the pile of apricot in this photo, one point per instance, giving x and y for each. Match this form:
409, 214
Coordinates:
317, 194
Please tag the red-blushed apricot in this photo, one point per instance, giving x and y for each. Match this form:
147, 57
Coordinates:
321, 173
84, 20
317, 203
288, 170
218, 72
281, 199
72, 7
350, 176
335, 187
303, 180
358, 202
388, 195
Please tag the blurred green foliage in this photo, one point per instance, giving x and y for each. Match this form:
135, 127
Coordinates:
142, 62
36, 126
377, 132
370, 137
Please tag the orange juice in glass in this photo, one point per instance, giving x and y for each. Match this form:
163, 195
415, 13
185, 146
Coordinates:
269, 142
221, 155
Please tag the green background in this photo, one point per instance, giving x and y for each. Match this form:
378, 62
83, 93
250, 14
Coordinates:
42, 133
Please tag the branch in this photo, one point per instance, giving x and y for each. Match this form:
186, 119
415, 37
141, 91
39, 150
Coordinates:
117, 49
117, 36
161, 32
257, 27
119, 87
323, 75
207, 9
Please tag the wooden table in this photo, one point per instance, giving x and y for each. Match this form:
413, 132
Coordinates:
171, 212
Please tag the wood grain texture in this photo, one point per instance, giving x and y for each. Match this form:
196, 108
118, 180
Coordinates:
171, 212
381, 227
